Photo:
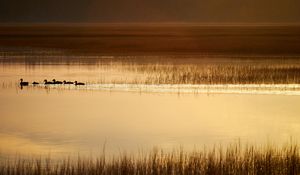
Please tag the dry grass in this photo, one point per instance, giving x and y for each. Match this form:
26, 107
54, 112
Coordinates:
218, 73
222, 161
181, 70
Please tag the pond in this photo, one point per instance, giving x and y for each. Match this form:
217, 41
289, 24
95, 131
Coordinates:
65, 119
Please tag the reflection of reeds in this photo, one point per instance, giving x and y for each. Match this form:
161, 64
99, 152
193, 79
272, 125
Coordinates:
232, 160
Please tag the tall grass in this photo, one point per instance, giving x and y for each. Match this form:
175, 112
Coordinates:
217, 161
217, 73
161, 70
169, 69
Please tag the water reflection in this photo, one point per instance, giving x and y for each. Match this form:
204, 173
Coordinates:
65, 119
72, 121
279, 89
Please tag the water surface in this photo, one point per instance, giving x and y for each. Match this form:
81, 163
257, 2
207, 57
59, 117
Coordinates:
64, 119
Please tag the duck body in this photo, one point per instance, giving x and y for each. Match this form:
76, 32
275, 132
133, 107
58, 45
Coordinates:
67, 82
23, 83
35, 83
78, 83
56, 82
47, 82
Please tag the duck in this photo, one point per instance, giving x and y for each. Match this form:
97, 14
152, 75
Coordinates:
78, 83
34, 83
67, 82
23, 83
56, 82
47, 82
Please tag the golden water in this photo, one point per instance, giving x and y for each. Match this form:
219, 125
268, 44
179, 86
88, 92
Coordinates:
62, 121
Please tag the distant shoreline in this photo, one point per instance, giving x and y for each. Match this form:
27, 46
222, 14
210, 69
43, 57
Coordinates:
76, 24
155, 39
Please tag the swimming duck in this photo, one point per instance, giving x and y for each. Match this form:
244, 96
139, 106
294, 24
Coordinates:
34, 83
78, 83
23, 83
67, 82
56, 82
47, 82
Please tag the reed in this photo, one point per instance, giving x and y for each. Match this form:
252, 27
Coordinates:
232, 159
217, 73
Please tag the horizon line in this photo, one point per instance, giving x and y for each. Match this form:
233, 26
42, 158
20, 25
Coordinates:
149, 23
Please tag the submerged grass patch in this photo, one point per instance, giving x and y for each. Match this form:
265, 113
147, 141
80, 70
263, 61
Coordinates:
232, 159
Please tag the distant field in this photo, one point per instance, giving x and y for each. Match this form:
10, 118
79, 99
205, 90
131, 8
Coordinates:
155, 39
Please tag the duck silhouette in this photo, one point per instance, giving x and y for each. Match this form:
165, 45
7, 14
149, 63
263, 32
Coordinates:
78, 83
67, 82
56, 82
23, 83
35, 83
47, 82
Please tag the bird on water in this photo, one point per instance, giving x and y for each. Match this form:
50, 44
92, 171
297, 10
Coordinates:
57, 82
23, 83
47, 82
67, 82
35, 83
78, 83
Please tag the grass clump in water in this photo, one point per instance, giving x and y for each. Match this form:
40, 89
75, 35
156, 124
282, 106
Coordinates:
220, 74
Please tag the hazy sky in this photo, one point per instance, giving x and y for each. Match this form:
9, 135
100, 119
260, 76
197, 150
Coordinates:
202, 11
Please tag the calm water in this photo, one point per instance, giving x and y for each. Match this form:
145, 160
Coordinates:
63, 121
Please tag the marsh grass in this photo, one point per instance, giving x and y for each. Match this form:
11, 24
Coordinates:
262, 72
174, 70
232, 159
233, 73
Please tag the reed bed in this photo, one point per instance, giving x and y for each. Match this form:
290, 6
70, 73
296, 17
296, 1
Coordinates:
203, 73
218, 74
216, 161
172, 70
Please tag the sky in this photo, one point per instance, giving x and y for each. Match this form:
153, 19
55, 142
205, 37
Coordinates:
135, 11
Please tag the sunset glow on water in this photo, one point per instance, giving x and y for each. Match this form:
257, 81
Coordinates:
67, 119
167, 98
